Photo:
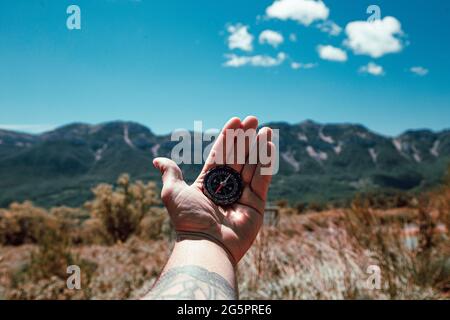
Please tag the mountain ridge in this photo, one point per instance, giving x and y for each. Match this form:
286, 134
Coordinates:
306, 121
318, 162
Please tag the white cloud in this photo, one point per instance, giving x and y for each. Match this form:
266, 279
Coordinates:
375, 38
420, 71
298, 65
330, 27
332, 53
30, 128
302, 11
240, 38
373, 69
293, 37
271, 37
236, 61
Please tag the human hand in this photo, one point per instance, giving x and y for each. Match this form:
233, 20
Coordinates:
194, 214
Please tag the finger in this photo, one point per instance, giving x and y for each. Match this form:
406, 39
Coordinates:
218, 151
265, 131
170, 171
264, 134
250, 199
263, 174
245, 137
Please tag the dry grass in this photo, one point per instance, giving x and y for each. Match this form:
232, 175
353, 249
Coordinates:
305, 259
307, 256
121, 271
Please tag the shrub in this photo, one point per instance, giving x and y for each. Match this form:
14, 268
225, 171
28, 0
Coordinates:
44, 276
121, 208
52, 256
387, 199
315, 206
283, 203
301, 207
70, 222
93, 231
23, 223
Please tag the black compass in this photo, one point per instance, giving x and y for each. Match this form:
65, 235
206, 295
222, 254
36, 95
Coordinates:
223, 185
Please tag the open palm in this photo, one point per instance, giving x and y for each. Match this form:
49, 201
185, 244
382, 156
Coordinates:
192, 213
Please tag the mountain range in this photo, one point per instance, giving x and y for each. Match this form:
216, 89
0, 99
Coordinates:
318, 162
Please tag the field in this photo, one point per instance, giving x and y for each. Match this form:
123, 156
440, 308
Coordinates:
122, 238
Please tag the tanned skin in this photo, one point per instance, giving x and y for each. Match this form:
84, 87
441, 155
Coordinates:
211, 239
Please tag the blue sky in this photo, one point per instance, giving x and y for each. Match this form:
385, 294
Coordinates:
163, 63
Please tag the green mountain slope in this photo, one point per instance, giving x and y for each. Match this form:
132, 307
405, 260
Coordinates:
318, 162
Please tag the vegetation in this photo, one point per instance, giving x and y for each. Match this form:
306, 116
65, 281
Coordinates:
60, 167
121, 209
114, 215
328, 255
121, 240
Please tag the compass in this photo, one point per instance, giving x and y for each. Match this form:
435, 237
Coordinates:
223, 185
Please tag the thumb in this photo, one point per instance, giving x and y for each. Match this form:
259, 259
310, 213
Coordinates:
170, 171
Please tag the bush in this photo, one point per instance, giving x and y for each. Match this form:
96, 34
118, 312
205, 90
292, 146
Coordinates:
387, 199
122, 208
93, 231
23, 223
283, 203
70, 222
52, 256
45, 275
315, 207
301, 207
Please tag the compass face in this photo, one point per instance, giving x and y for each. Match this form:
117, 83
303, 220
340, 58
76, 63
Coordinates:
223, 185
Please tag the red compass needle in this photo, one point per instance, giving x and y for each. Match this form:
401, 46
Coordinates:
222, 184
219, 188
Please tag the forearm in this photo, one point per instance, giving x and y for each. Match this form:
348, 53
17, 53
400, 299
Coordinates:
196, 270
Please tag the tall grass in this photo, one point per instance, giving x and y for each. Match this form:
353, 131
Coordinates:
327, 255
122, 238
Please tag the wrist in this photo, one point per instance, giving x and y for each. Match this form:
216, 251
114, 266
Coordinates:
192, 250
201, 240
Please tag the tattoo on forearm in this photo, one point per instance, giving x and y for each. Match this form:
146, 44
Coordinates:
192, 283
